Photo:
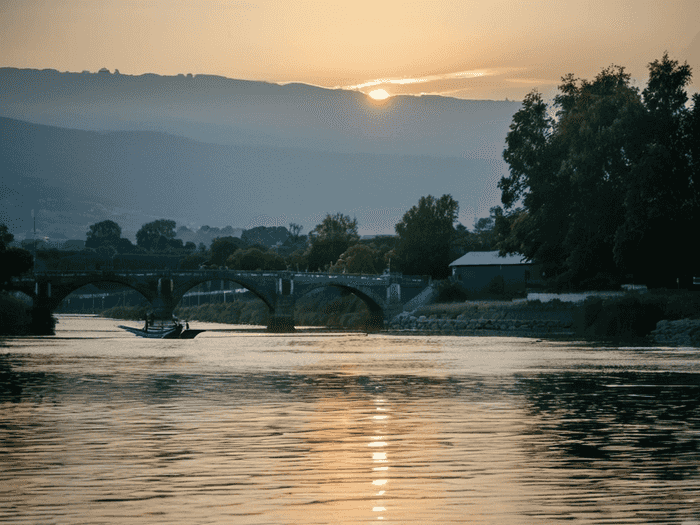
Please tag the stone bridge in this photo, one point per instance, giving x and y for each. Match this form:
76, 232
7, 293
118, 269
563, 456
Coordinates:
384, 295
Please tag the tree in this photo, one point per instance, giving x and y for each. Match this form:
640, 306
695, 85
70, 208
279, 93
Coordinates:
14, 262
662, 200
150, 234
105, 233
425, 233
295, 231
329, 239
359, 258
255, 259
193, 261
5, 237
604, 186
223, 247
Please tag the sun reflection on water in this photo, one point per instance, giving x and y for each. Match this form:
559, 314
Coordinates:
380, 457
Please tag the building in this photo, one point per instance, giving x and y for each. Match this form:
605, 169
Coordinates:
487, 272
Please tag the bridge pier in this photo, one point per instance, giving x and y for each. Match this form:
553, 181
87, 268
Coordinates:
43, 322
164, 303
281, 320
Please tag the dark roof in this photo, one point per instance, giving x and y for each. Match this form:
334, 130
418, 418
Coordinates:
487, 259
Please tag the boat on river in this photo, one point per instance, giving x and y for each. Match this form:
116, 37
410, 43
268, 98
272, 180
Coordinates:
175, 330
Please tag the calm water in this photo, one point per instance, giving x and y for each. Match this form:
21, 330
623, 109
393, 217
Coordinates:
99, 426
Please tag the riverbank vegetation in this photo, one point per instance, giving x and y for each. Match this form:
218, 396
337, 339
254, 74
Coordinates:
633, 316
628, 318
329, 308
603, 183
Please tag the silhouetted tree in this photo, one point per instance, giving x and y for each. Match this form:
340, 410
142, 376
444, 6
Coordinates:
359, 258
329, 239
608, 185
105, 233
425, 233
255, 259
295, 231
150, 234
193, 261
14, 262
223, 247
5, 237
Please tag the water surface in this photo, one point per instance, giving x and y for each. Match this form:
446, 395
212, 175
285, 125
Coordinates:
100, 426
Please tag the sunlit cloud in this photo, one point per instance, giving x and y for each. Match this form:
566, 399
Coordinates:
429, 78
475, 83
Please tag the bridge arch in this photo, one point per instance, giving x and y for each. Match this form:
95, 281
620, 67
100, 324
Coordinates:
61, 290
373, 301
181, 288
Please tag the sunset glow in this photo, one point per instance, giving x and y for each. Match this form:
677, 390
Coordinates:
464, 49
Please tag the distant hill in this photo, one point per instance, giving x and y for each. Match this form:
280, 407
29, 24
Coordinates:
227, 111
80, 148
74, 178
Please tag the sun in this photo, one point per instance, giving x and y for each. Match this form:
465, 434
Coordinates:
379, 94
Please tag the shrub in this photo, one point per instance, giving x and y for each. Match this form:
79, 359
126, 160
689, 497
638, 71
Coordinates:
450, 292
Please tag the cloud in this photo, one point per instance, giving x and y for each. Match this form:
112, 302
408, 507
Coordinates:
481, 83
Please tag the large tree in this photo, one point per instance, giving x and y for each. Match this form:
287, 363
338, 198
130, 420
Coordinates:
359, 258
5, 237
105, 233
13, 261
223, 247
596, 180
330, 239
256, 259
157, 235
425, 233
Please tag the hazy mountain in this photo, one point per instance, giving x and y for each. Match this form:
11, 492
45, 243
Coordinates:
208, 150
79, 177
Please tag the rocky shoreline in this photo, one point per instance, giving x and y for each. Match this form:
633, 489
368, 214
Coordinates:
463, 325
684, 332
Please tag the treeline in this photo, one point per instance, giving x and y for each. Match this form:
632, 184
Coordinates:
604, 183
329, 307
426, 241
16, 316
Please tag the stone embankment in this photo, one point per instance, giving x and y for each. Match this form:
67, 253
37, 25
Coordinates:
685, 332
464, 325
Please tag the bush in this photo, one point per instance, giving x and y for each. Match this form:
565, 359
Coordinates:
450, 292
15, 318
627, 317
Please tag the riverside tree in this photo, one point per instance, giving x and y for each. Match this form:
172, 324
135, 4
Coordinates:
330, 239
605, 183
104, 233
425, 233
223, 247
157, 236
13, 261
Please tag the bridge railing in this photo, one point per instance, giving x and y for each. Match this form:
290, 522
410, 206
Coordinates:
308, 276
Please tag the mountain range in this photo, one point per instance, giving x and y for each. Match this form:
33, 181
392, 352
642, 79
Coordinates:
83, 147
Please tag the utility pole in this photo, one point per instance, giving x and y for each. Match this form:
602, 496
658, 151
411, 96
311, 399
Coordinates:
34, 258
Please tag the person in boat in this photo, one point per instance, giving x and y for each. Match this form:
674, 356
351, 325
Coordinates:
145, 318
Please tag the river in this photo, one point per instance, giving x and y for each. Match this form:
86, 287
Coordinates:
99, 426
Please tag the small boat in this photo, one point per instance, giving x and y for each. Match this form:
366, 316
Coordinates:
176, 330
165, 332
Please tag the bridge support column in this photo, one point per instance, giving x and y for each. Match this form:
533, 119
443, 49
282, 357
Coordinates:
282, 318
43, 322
164, 303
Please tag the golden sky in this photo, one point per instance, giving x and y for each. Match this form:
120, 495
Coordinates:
464, 48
